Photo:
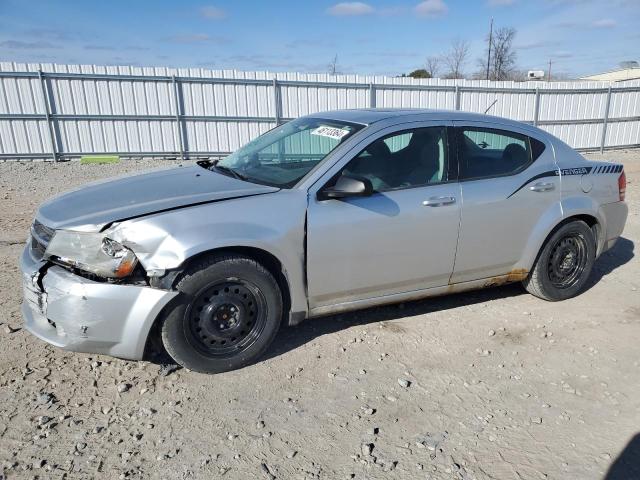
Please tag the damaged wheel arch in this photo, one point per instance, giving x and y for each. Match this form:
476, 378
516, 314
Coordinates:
171, 278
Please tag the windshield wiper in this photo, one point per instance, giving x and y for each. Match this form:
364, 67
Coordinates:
229, 172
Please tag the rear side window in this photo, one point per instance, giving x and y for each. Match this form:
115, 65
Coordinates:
485, 152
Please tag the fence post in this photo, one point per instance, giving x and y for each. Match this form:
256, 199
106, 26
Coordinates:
536, 112
48, 101
605, 120
457, 93
372, 95
179, 113
277, 102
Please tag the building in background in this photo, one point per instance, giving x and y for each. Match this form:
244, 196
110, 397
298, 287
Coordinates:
627, 71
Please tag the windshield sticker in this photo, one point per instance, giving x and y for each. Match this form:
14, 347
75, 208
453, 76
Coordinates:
331, 132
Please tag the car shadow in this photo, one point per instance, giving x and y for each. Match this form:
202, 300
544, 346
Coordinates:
292, 338
621, 253
627, 465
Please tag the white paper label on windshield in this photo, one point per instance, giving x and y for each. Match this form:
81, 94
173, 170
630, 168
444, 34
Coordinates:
331, 132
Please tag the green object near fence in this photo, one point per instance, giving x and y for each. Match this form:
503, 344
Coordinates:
99, 159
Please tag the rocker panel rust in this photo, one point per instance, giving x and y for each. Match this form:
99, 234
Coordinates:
516, 275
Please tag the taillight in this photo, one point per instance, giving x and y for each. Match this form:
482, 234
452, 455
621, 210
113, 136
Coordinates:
622, 185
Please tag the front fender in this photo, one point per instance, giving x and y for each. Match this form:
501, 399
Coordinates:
274, 223
160, 249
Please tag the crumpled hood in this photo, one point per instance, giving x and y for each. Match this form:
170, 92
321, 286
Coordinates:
95, 205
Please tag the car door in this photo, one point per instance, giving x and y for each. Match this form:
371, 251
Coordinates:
508, 181
401, 238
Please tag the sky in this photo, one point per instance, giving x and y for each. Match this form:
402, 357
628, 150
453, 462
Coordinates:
580, 37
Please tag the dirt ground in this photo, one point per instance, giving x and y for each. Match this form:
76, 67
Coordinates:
494, 384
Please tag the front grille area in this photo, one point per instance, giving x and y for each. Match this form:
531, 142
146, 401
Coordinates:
40, 237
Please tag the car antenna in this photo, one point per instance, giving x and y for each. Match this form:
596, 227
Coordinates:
494, 102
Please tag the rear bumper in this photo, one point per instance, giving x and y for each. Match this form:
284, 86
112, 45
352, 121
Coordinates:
77, 314
615, 217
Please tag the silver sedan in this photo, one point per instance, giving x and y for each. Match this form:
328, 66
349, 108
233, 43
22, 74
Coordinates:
327, 213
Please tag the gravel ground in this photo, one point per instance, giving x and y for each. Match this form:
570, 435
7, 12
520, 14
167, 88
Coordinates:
494, 384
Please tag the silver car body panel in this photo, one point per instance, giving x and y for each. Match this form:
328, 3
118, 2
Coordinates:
273, 223
494, 233
591, 188
100, 203
81, 315
335, 255
369, 247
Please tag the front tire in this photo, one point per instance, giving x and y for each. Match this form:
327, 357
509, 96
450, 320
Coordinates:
227, 314
564, 263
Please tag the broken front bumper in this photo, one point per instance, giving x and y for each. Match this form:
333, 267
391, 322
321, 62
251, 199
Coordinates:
78, 314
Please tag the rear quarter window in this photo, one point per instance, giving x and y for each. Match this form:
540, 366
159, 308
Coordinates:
537, 147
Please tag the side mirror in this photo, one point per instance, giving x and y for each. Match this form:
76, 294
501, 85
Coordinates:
347, 186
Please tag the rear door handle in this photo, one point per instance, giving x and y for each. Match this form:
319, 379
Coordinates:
439, 201
542, 187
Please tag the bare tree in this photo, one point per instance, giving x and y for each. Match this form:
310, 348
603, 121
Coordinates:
456, 58
503, 56
518, 75
432, 66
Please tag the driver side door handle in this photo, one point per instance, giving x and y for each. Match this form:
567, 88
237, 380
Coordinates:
439, 201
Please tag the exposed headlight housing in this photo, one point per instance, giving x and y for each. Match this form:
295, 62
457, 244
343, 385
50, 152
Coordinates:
92, 252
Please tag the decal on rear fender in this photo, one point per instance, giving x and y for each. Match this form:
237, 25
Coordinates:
572, 171
607, 169
549, 173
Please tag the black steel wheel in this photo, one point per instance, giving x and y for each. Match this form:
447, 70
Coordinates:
567, 260
228, 313
226, 318
564, 264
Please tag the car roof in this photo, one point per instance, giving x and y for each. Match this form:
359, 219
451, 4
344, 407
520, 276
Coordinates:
367, 116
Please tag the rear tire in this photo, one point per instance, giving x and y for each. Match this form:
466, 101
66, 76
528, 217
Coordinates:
564, 264
227, 314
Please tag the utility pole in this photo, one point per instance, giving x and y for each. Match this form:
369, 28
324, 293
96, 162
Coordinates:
489, 52
549, 76
333, 65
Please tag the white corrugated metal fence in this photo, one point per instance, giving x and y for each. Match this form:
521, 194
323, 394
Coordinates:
64, 111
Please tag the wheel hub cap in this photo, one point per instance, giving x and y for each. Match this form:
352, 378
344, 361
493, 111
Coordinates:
568, 262
221, 319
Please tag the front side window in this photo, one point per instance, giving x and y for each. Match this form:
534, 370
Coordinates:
283, 156
485, 152
406, 159
398, 142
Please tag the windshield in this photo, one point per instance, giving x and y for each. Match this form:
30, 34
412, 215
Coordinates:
282, 156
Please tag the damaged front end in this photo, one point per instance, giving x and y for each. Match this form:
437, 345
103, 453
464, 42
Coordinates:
94, 253
101, 261
86, 292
